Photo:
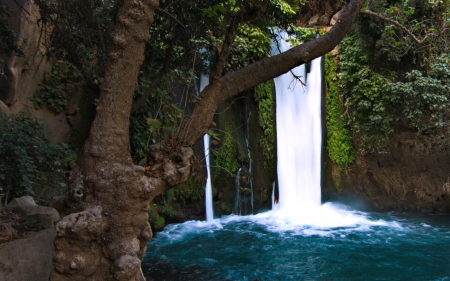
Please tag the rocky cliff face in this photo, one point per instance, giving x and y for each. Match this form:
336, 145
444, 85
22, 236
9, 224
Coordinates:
411, 174
23, 74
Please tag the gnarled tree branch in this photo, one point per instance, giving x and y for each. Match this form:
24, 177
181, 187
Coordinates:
397, 24
194, 126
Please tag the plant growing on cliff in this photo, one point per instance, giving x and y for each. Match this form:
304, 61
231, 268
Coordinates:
8, 36
378, 99
339, 144
29, 163
265, 97
61, 80
191, 190
226, 160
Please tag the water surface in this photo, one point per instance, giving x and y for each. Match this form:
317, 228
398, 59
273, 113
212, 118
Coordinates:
329, 243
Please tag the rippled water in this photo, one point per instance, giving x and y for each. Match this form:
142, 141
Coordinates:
329, 243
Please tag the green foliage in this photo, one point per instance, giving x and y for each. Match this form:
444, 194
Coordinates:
425, 98
371, 111
29, 163
379, 98
300, 35
340, 144
80, 32
7, 37
156, 221
61, 81
226, 161
265, 97
251, 43
189, 191
154, 121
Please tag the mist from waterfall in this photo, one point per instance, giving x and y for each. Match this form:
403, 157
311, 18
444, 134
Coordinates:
299, 135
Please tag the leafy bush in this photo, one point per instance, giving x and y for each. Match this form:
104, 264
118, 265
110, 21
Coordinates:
226, 157
29, 163
378, 99
265, 97
191, 190
61, 80
339, 144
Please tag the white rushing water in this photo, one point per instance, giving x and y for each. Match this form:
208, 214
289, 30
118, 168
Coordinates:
204, 81
299, 135
299, 145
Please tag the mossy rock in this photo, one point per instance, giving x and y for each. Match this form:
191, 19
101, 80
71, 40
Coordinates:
156, 220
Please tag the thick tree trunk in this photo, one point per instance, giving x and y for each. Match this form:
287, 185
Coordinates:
107, 239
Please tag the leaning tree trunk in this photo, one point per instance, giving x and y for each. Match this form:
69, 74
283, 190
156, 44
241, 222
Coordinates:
107, 239
194, 126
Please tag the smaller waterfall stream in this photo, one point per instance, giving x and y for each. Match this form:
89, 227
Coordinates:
244, 204
204, 81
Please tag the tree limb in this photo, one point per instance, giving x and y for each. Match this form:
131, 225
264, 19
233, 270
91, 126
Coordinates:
194, 126
396, 23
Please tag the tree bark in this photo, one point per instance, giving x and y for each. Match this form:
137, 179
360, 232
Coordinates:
107, 239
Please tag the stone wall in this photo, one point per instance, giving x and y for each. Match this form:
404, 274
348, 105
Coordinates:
23, 74
411, 174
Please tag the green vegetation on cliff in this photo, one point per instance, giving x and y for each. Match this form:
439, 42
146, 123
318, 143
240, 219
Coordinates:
29, 163
391, 79
226, 162
339, 143
265, 97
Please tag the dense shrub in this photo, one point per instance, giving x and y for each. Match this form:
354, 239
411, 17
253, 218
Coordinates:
29, 163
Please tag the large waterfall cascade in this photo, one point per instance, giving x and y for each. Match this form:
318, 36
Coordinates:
204, 81
299, 135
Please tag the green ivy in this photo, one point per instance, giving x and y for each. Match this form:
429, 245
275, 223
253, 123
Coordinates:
29, 163
265, 97
372, 110
189, 191
62, 79
379, 98
155, 120
340, 144
226, 159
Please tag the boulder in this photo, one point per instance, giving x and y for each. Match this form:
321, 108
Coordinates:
26, 207
22, 201
28, 258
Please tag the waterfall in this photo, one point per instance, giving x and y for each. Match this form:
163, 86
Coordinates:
299, 135
237, 200
249, 154
204, 81
244, 204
